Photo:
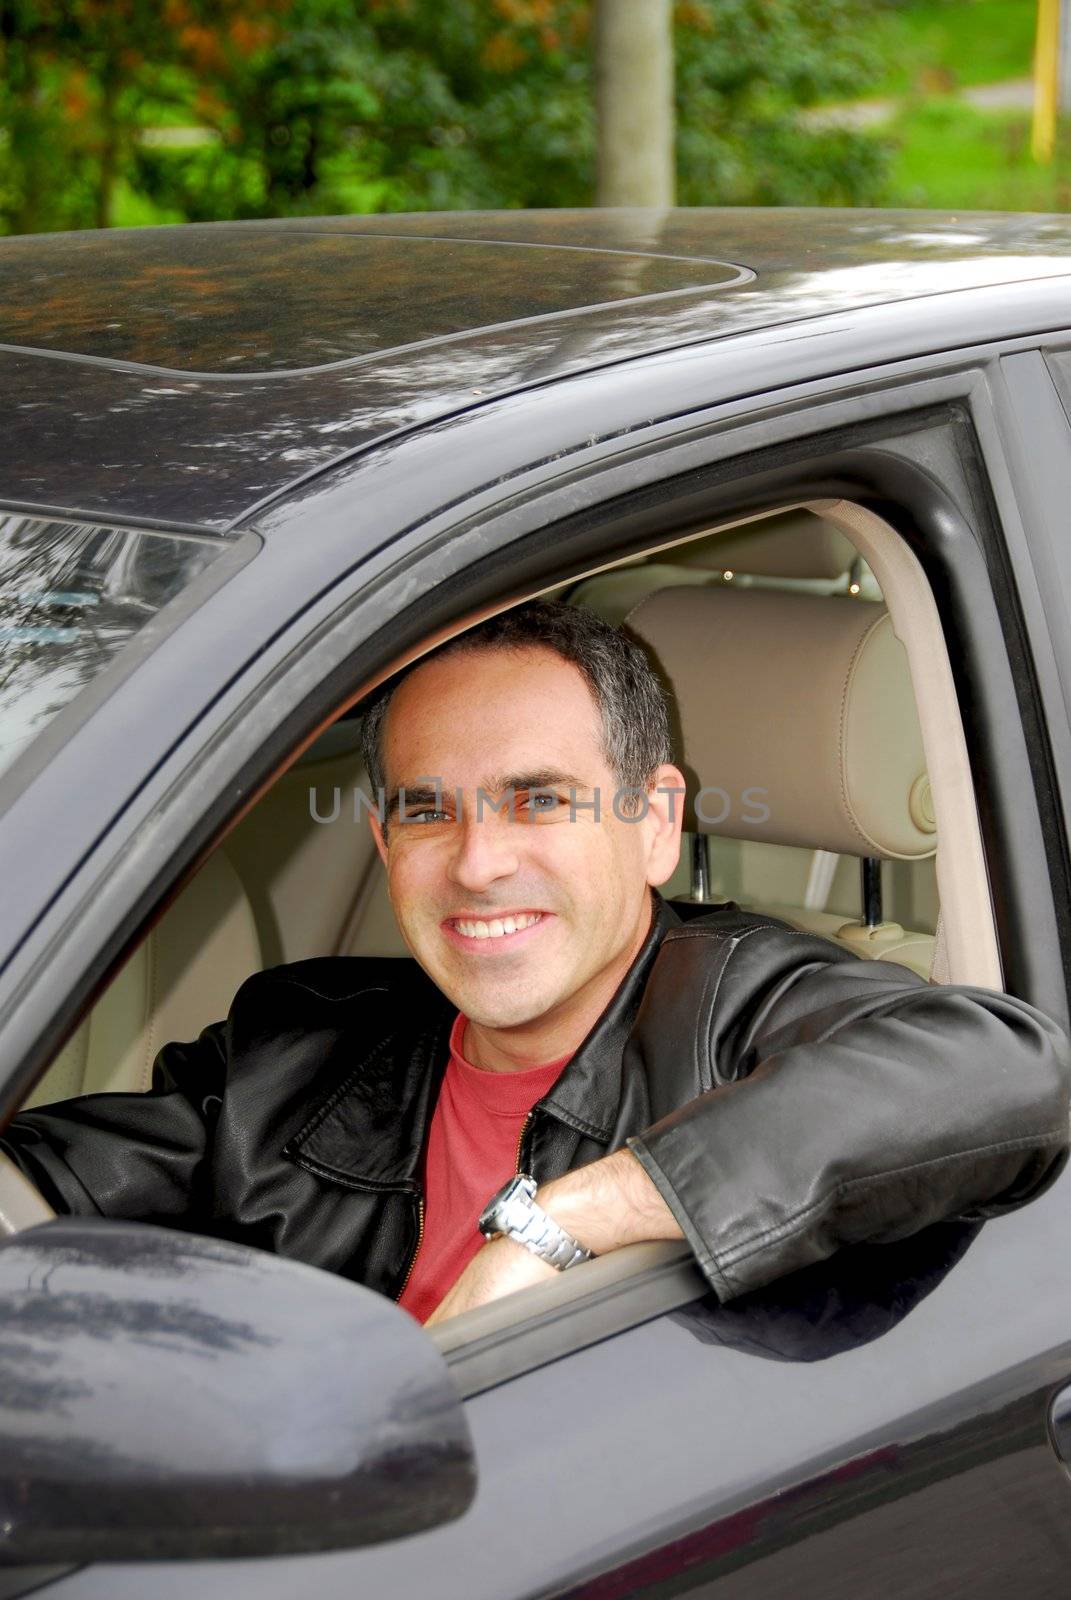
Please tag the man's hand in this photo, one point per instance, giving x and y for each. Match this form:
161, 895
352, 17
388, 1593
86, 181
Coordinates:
605, 1205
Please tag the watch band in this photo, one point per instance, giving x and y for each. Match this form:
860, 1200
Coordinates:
513, 1212
546, 1239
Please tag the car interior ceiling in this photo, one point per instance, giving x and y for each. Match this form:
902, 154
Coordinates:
777, 622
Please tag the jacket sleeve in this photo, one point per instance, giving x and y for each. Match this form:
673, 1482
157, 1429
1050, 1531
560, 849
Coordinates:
850, 1101
137, 1156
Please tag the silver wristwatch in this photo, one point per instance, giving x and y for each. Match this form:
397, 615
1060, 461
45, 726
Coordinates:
513, 1211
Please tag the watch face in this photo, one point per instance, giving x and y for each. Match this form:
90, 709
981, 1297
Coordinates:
495, 1217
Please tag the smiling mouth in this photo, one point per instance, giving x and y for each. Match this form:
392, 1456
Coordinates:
495, 927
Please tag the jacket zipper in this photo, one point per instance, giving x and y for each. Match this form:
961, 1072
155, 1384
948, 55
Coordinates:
416, 1249
520, 1141
420, 1231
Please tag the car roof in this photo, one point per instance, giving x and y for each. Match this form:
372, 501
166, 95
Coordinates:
186, 373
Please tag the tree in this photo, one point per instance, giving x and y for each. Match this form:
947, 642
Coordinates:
634, 103
490, 102
744, 69
314, 106
280, 88
32, 117
72, 78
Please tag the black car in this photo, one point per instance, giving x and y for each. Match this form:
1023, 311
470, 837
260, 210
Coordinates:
821, 462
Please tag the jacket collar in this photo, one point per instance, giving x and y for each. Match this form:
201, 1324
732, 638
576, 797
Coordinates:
370, 1133
587, 1094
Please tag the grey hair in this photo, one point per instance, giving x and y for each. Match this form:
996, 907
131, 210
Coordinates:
629, 697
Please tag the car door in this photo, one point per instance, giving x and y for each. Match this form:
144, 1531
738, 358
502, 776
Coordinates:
878, 1425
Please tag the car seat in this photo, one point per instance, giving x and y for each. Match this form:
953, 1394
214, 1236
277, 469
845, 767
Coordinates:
795, 722
181, 977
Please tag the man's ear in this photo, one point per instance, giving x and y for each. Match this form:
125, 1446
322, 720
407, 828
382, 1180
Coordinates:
665, 819
377, 834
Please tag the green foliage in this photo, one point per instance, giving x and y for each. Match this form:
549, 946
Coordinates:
314, 106
281, 112
939, 45
744, 68
73, 75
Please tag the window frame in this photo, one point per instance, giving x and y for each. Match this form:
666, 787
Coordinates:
540, 529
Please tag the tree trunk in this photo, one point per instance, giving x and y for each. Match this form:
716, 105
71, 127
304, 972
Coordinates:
634, 102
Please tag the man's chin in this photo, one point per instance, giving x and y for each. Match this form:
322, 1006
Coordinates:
502, 1010
502, 1000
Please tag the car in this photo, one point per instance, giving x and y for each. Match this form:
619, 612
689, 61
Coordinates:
820, 462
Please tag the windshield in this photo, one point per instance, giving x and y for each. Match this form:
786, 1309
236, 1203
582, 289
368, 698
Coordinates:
72, 595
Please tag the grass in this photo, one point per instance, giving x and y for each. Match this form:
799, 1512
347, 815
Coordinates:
948, 44
950, 156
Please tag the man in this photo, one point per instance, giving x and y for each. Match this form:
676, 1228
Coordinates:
758, 1090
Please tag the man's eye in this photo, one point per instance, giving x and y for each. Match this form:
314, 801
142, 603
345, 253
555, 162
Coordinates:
426, 816
542, 804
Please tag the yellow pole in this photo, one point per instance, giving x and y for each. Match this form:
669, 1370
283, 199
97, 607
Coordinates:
1046, 81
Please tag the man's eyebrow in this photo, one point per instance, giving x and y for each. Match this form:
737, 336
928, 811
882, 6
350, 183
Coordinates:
545, 779
415, 795
423, 795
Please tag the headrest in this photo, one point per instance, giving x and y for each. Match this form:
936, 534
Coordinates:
796, 544
795, 719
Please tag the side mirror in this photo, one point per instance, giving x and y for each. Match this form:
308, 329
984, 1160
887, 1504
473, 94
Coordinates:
165, 1396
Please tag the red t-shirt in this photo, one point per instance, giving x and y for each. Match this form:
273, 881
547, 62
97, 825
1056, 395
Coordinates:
472, 1151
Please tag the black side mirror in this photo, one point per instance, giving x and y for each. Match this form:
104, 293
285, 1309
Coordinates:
169, 1396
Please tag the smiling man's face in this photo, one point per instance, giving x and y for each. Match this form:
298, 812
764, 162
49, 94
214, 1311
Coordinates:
526, 917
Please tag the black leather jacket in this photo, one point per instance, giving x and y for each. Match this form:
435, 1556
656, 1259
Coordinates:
785, 1096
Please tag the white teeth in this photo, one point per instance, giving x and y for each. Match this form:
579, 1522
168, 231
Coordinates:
497, 926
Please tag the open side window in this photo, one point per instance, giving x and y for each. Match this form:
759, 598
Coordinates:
890, 576
790, 646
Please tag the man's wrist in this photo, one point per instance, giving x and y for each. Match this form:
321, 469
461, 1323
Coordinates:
608, 1204
515, 1212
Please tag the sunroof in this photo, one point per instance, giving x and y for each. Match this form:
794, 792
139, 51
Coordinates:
202, 299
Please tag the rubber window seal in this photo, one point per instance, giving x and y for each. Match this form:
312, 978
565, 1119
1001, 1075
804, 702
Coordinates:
493, 1345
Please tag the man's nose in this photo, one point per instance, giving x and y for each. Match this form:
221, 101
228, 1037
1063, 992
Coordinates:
486, 850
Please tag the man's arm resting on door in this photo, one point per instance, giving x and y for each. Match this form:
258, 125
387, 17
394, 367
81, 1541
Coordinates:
605, 1205
853, 1103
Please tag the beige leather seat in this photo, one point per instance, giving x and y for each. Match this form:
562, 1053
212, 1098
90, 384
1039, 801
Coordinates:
792, 547
305, 873
793, 550
182, 977
797, 725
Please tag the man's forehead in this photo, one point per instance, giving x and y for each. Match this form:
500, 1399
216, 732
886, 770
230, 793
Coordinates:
495, 696
490, 671
494, 713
